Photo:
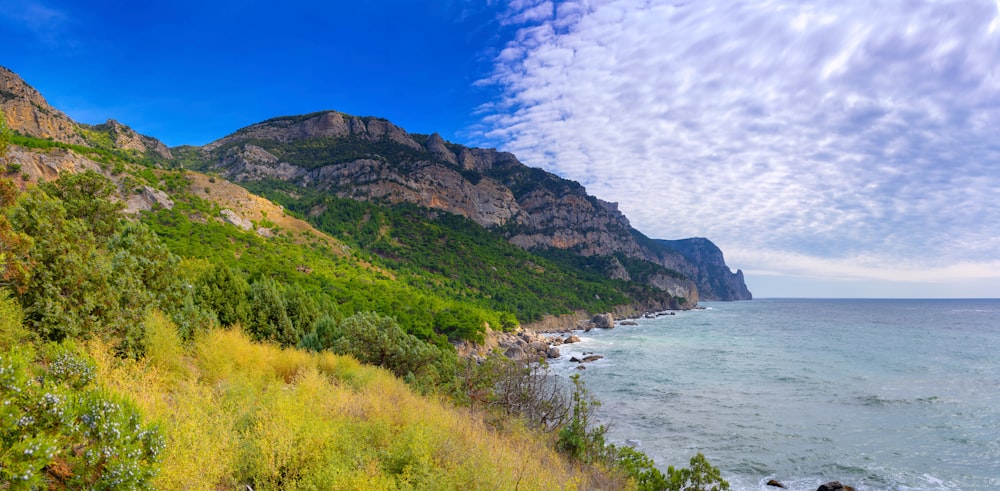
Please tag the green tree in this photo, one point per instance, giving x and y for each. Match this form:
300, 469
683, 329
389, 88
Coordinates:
701, 476
15, 264
225, 292
378, 340
269, 314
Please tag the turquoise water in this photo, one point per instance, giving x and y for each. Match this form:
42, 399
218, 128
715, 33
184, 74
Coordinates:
878, 394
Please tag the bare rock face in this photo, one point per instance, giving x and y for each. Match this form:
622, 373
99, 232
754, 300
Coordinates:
230, 216
251, 163
148, 199
28, 112
707, 267
128, 139
435, 145
321, 125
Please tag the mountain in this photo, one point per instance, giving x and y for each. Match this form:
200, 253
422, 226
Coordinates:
371, 159
713, 272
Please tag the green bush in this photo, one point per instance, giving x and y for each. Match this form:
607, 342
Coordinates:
701, 476
58, 430
582, 439
378, 340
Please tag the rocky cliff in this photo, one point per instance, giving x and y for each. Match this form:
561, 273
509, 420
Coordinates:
369, 158
712, 276
29, 114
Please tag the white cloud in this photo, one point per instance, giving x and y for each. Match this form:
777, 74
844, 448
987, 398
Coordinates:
830, 130
46, 23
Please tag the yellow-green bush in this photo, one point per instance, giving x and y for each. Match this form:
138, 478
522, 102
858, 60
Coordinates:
235, 413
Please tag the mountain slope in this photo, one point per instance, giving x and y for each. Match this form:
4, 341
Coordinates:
370, 159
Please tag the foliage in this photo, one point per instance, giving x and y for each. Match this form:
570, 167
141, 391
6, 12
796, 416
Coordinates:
378, 340
15, 264
58, 430
226, 293
453, 256
92, 273
701, 476
12, 331
5, 135
639, 467
250, 414
519, 389
581, 439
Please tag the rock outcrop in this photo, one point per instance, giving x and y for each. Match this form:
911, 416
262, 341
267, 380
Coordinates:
28, 113
714, 278
368, 158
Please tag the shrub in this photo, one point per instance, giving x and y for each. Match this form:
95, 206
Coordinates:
580, 439
518, 388
57, 430
379, 340
701, 476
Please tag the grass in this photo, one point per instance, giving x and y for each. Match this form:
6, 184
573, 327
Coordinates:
237, 413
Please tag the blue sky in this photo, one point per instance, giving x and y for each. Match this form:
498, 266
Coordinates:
830, 148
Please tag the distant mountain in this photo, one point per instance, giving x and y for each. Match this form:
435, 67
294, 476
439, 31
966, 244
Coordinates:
371, 159
712, 276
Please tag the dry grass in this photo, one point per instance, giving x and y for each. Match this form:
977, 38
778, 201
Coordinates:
236, 412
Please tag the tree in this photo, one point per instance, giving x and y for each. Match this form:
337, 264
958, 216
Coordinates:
15, 264
225, 292
269, 314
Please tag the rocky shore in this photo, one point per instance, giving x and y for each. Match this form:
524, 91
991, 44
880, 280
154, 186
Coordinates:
536, 343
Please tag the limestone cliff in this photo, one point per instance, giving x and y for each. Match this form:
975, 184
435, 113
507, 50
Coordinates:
28, 113
712, 276
369, 158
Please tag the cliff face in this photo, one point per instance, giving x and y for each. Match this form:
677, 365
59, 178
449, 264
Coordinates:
28, 112
368, 158
713, 275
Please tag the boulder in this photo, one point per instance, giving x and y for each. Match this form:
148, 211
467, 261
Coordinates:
575, 360
776, 484
538, 346
572, 339
581, 367
553, 352
834, 486
591, 358
603, 321
514, 353
628, 323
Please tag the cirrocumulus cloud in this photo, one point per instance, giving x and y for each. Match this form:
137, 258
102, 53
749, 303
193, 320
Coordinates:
828, 139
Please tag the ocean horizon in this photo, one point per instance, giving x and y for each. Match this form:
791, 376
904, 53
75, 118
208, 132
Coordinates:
879, 394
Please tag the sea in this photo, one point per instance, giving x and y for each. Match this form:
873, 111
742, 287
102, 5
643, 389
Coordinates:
876, 394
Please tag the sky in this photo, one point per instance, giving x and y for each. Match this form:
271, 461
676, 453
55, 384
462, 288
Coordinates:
829, 148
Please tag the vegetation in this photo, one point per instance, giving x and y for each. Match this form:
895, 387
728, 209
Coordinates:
456, 257
180, 352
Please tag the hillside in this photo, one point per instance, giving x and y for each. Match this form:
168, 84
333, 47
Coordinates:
371, 159
166, 329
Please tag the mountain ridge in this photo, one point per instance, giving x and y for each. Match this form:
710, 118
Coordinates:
369, 158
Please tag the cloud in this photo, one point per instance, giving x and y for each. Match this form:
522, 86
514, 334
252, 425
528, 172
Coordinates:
45, 23
829, 130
